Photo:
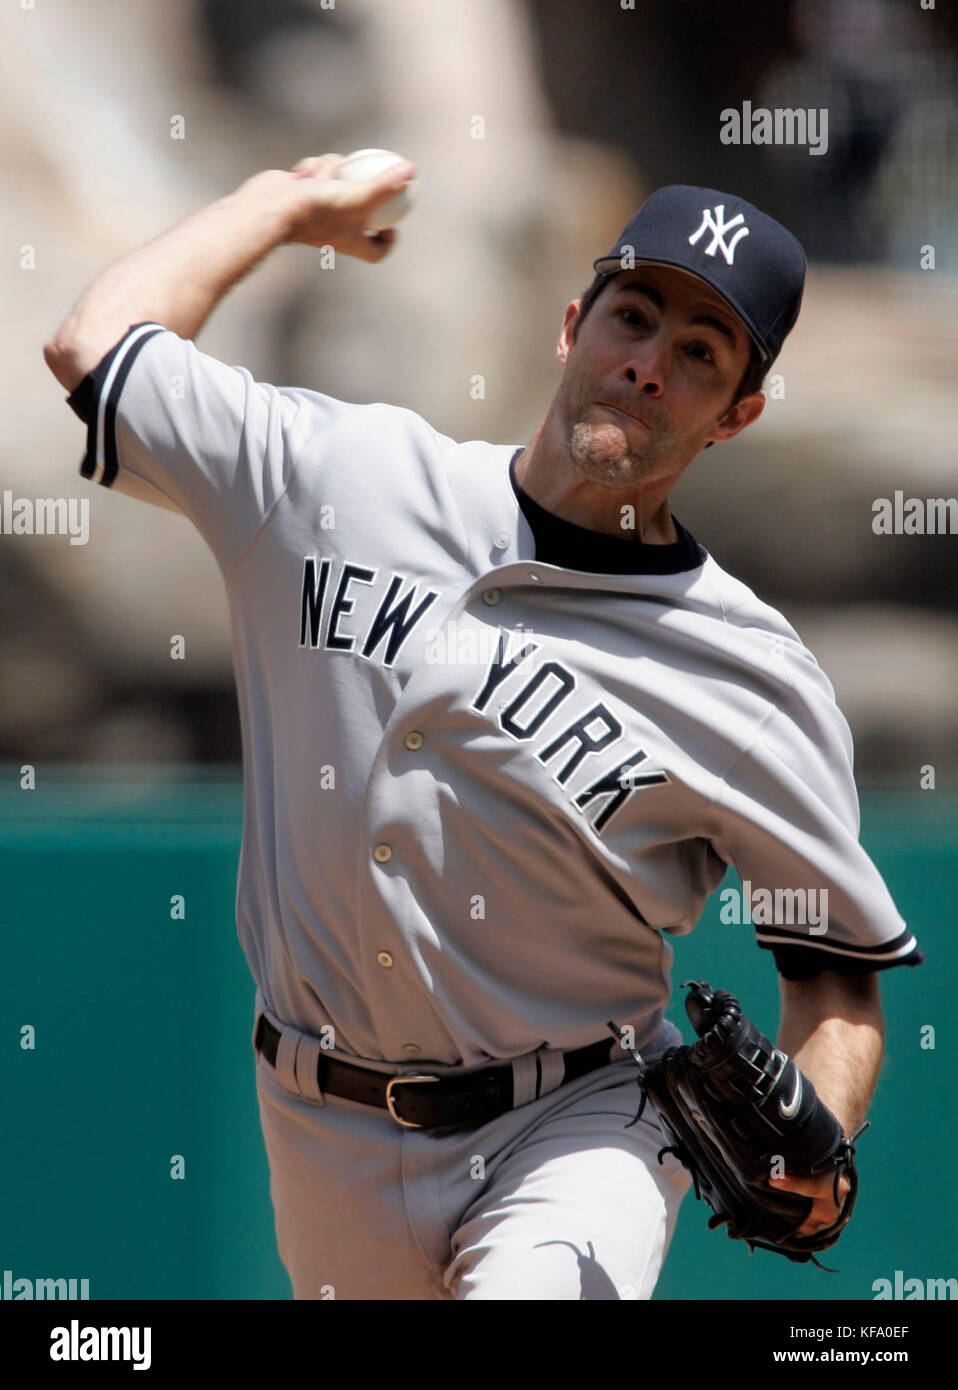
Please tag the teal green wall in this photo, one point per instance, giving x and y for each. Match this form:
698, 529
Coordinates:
143, 1052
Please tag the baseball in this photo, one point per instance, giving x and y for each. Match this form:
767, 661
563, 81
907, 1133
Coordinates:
369, 164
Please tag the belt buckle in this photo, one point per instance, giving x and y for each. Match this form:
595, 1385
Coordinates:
399, 1081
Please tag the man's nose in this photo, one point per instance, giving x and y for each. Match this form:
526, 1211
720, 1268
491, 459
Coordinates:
646, 370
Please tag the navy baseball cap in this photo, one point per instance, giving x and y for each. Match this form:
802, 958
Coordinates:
752, 261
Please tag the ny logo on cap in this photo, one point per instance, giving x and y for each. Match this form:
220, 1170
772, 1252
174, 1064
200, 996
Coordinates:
718, 230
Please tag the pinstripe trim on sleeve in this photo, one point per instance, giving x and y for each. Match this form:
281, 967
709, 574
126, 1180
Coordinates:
95, 401
797, 952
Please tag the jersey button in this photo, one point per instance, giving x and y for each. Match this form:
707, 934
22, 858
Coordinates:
382, 853
491, 596
384, 959
413, 1048
414, 739
501, 541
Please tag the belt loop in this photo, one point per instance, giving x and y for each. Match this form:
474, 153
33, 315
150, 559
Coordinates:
307, 1068
553, 1070
286, 1058
524, 1073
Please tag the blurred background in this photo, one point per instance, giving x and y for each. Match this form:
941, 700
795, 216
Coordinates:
537, 128
585, 109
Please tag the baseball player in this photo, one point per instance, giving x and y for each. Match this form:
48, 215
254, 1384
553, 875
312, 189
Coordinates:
506, 723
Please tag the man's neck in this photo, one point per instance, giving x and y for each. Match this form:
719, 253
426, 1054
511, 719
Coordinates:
632, 515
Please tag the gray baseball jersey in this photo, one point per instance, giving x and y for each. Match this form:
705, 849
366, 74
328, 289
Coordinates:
492, 763
481, 790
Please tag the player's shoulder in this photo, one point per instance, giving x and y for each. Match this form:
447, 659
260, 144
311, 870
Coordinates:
740, 606
391, 444
742, 610
396, 419
795, 703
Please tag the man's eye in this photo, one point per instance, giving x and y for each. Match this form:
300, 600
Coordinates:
634, 313
696, 347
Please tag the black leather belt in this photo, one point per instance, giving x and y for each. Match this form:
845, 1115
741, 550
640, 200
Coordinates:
431, 1102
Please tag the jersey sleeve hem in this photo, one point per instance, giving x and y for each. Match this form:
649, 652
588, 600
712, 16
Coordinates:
798, 959
95, 400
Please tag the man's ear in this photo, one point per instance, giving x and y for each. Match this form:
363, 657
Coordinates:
564, 345
738, 418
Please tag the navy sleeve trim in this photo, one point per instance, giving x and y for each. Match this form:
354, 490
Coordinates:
798, 958
892, 951
83, 398
95, 399
794, 963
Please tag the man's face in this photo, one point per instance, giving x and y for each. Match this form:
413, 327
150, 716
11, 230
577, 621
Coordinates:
662, 346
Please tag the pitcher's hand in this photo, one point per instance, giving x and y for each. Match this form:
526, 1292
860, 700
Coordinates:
334, 212
822, 1191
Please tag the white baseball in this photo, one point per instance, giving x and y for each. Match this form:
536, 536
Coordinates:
369, 164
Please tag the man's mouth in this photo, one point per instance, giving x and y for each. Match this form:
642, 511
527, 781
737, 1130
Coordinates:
621, 411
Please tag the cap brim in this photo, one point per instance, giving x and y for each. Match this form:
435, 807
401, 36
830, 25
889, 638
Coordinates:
611, 265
